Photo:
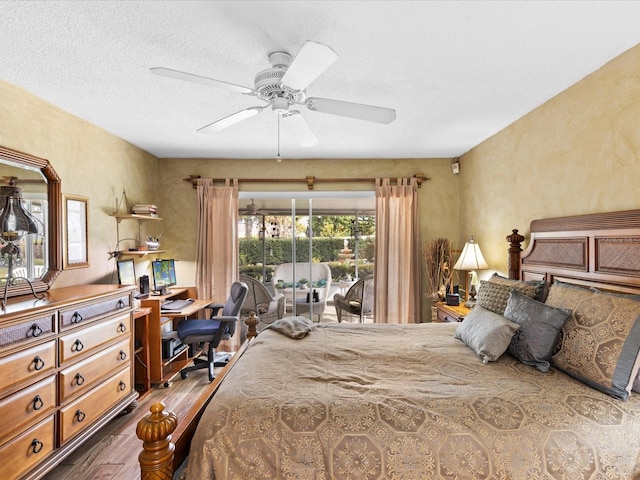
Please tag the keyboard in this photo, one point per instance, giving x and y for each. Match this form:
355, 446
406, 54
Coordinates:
176, 305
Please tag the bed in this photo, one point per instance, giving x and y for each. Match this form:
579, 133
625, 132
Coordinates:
413, 401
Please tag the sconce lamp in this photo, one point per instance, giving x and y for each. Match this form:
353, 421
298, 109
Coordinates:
15, 224
471, 259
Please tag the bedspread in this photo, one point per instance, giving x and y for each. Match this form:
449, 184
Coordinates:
406, 402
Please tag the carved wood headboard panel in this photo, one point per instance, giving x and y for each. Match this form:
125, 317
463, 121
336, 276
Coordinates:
601, 249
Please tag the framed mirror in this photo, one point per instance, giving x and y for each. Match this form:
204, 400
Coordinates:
40, 257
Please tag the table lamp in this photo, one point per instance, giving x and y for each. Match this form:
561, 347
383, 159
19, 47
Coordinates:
471, 259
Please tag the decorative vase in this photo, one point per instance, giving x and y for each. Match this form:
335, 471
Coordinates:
153, 245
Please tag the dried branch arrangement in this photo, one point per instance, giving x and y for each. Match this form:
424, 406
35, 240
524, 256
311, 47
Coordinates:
437, 259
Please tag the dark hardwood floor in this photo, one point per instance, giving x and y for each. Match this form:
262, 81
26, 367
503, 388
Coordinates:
113, 452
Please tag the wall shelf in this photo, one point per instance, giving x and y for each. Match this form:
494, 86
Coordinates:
140, 219
140, 253
133, 216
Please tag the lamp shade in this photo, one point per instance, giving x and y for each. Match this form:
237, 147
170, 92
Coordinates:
471, 257
15, 221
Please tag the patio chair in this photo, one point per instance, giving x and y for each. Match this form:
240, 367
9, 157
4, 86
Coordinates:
268, 308
357, 302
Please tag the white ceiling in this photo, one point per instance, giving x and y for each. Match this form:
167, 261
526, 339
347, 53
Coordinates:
455, 71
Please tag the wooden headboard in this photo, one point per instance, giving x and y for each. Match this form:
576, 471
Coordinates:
600, 250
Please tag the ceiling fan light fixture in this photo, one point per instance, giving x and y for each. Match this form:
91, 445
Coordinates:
280, 105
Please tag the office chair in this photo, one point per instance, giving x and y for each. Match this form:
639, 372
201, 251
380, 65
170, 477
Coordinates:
213, 329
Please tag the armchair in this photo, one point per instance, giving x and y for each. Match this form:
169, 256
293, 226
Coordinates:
268, 308
357, 302
214, 329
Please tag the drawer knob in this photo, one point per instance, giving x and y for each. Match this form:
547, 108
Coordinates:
122, 386
120, 305
123, 355
38, 363
76, 317
80, 415
122, 328
34, 330
77, 346
36, 445
37, 402
79, 379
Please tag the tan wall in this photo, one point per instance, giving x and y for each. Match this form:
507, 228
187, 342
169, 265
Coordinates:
90, 162
578, 153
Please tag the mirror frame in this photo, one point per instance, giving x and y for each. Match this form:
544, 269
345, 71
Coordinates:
54, 198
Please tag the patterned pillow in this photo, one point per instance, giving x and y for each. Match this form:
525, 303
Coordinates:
494, 296
540, 327
601, 340
486, 333
539, 284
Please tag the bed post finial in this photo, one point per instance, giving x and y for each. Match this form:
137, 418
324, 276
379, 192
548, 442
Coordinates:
515, 240
155, 429
251, 321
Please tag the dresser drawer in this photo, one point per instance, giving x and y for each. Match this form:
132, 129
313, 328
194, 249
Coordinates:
28, 406
29, 363
31, 330
81, 413
86, 312
84, 340
27, 449
84, 374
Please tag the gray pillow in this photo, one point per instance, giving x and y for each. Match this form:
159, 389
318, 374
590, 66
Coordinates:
540, 327
486, 333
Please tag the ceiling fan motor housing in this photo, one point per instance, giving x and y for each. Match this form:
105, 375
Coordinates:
268, 83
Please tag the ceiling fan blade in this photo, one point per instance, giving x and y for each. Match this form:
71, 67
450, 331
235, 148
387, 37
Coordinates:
294, 120
312, 59
231, 120
190, 77
360, 111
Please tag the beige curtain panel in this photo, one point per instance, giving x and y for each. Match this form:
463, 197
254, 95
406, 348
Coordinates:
217, 255
397, 254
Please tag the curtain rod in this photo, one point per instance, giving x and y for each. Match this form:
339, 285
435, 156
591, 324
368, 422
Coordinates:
309, 180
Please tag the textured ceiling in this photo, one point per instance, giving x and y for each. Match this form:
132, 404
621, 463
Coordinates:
456, 72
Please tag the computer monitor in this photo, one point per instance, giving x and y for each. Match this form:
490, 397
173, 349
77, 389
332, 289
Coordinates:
164, 274
126, 272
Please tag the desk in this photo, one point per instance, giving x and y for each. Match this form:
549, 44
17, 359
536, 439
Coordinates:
163, 370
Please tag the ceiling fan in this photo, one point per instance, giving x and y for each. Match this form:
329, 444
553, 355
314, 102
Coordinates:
282, 87
253, 210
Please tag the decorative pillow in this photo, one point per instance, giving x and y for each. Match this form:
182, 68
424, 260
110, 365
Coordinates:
354, 306
601, 340
540, 326
494, 296
486, 333
262, 308
539, 284
293, 327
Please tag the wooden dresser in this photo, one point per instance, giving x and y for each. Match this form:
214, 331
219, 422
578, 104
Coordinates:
66, 368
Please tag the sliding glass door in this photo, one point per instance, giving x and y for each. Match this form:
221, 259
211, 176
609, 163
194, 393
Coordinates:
307, 246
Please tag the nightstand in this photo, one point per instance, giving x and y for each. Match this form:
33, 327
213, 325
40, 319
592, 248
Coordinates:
449, 313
